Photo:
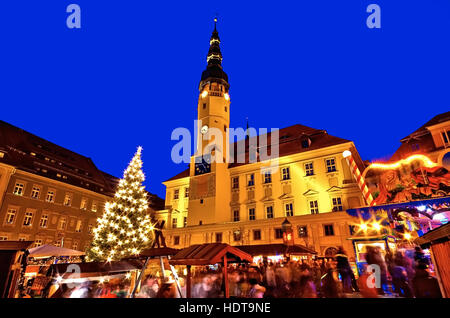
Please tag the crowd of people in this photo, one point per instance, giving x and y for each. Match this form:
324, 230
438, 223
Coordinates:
399, 274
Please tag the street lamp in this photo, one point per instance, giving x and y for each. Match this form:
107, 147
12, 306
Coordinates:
288, 236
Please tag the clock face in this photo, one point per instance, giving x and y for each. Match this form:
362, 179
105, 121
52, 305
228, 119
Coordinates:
204, 129
202, 166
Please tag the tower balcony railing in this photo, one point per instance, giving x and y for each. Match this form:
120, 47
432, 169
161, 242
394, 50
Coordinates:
216, 93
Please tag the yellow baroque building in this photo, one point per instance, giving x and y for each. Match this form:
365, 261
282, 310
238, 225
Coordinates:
246, 203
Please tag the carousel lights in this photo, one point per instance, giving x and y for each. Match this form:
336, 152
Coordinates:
407, 236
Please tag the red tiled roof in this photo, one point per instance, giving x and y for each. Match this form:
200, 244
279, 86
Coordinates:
433, 121
39, 156
181, 175
290, 142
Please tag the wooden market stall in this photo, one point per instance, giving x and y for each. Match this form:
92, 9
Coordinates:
438, 241
11, 261
209, 254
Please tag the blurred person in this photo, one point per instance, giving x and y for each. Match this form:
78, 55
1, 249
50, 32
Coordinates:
167, 290
425, 285
256, 290
81, 291
400, 277
374, 256
306, 286
344, 269
329, 285
150, 288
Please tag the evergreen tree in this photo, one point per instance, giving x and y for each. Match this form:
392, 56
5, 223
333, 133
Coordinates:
125, 227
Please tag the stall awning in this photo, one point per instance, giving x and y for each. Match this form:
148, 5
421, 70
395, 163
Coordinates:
52, 251
276, 249
96, 268
209, 254
440, 234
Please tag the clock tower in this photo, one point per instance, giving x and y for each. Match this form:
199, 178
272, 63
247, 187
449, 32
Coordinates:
209, 194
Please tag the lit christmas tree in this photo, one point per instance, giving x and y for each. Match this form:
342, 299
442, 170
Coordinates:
125, 227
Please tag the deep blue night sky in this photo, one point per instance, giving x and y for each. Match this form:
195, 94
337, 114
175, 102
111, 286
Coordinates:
130, 75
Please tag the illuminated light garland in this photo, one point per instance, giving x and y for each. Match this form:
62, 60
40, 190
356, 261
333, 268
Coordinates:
391, 166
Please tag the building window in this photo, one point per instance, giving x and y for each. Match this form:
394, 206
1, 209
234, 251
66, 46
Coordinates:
285, 174
236, 216
28, 220
37, 243
174, 223
43, 222
218, 237
269, 212
90, 227
35, 192
3, 238
352, 229
186, 192
204, 105
67, 199
250, 180
50, 196
22, 238
75, 245
256, 235
235, 182
176, 194
313, 207
176, 240
11, 216
185, 221
62, 223
94, 207
78, 226
267, 177
278, 233
251, 214
18, 188
415, 147
309, 169
446, 136
328, 230
83, 205
337, 204
289, 210
58, 243
331, 164
302, 231
236, 236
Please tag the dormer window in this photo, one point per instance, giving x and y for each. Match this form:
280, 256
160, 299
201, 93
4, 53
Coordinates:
306, 142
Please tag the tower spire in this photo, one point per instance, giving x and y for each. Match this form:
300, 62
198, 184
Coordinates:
214, 71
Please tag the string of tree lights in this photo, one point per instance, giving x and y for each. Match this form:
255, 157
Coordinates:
125, 228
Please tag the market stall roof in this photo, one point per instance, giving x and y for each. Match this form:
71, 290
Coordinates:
276, 249
157, 252
209, 254
440, 234
51, 250
95, 268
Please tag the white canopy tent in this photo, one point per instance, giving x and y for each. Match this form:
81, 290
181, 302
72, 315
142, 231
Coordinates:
47, 250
